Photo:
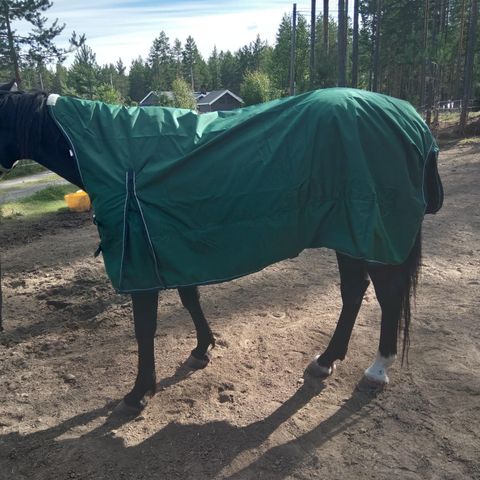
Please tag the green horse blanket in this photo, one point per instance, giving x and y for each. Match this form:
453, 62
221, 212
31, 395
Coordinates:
187, 199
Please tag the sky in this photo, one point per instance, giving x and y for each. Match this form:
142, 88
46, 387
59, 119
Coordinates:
126, 28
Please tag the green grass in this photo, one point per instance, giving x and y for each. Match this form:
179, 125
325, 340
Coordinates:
470, 141
50, 199
52, 178
453, 118
23, 169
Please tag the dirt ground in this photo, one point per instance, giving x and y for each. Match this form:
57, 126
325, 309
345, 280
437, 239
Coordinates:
68, 356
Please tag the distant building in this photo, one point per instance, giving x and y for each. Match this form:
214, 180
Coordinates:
155, 98
206, 101
218, 100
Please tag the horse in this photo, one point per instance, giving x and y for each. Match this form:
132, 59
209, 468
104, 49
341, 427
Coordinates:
29, 130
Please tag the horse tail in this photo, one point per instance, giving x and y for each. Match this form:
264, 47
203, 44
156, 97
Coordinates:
412, 272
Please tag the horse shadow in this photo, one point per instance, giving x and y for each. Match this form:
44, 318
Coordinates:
181, 450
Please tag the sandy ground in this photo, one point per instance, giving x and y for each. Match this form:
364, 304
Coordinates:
68, 356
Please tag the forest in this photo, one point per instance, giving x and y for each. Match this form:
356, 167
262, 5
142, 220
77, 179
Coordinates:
423, 51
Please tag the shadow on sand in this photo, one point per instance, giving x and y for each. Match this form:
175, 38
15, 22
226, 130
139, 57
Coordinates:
178, 450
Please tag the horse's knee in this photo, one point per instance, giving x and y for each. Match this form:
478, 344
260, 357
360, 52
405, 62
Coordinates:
352, 291
145, 307
189, 296
390, 284
353, 279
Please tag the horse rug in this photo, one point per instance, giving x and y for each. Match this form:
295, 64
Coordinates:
187, 199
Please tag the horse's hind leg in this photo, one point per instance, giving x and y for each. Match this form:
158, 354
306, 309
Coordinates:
389, 282
190, 298
145, 320
353, 284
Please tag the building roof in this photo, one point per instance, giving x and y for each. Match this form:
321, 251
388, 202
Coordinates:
157, 94
202, 98
212, 97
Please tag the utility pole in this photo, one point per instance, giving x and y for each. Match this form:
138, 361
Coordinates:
312, 45
294, 47
11, 46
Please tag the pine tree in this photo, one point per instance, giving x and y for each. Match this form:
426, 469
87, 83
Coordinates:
280, 66
83, 77
229, 71
194, 67
160, 62
138, 80
214, 69
35, 48
177, 58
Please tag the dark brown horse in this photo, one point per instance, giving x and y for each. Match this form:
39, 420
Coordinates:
28, 131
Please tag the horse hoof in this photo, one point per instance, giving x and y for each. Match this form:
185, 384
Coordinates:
195, 363
376, 378
125, 410
376, 374
319, 371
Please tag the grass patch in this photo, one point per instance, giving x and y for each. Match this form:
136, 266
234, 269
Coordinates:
50, 199
52, 178
470, 141
23, 169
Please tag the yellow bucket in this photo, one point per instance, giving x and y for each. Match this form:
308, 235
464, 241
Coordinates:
78, 201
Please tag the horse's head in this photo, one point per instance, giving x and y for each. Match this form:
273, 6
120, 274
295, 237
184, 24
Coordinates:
9, 151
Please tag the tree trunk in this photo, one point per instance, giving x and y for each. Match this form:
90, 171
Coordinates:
376, 53
11, 46
325, 26
425, 60
312, 45
355, 45
342, 50
457, 72
467, 83
293, 50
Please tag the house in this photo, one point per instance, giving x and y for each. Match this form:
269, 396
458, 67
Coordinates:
218, 100
156, 98
206, 101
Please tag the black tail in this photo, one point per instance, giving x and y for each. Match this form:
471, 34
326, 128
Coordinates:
412, 266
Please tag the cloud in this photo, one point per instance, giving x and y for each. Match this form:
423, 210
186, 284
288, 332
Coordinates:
127, 28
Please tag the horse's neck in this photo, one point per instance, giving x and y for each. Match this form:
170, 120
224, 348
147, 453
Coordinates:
54, 153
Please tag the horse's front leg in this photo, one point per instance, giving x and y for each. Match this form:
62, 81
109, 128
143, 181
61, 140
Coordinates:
145, 320
190, 298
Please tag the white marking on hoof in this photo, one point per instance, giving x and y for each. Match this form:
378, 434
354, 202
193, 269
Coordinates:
196, 363
377, 372
319, 371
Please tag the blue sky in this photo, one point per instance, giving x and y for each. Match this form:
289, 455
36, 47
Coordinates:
126, 28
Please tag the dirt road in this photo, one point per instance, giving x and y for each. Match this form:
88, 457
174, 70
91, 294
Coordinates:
11, 190
68, 355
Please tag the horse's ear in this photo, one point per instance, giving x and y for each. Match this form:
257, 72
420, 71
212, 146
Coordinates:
9, 87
